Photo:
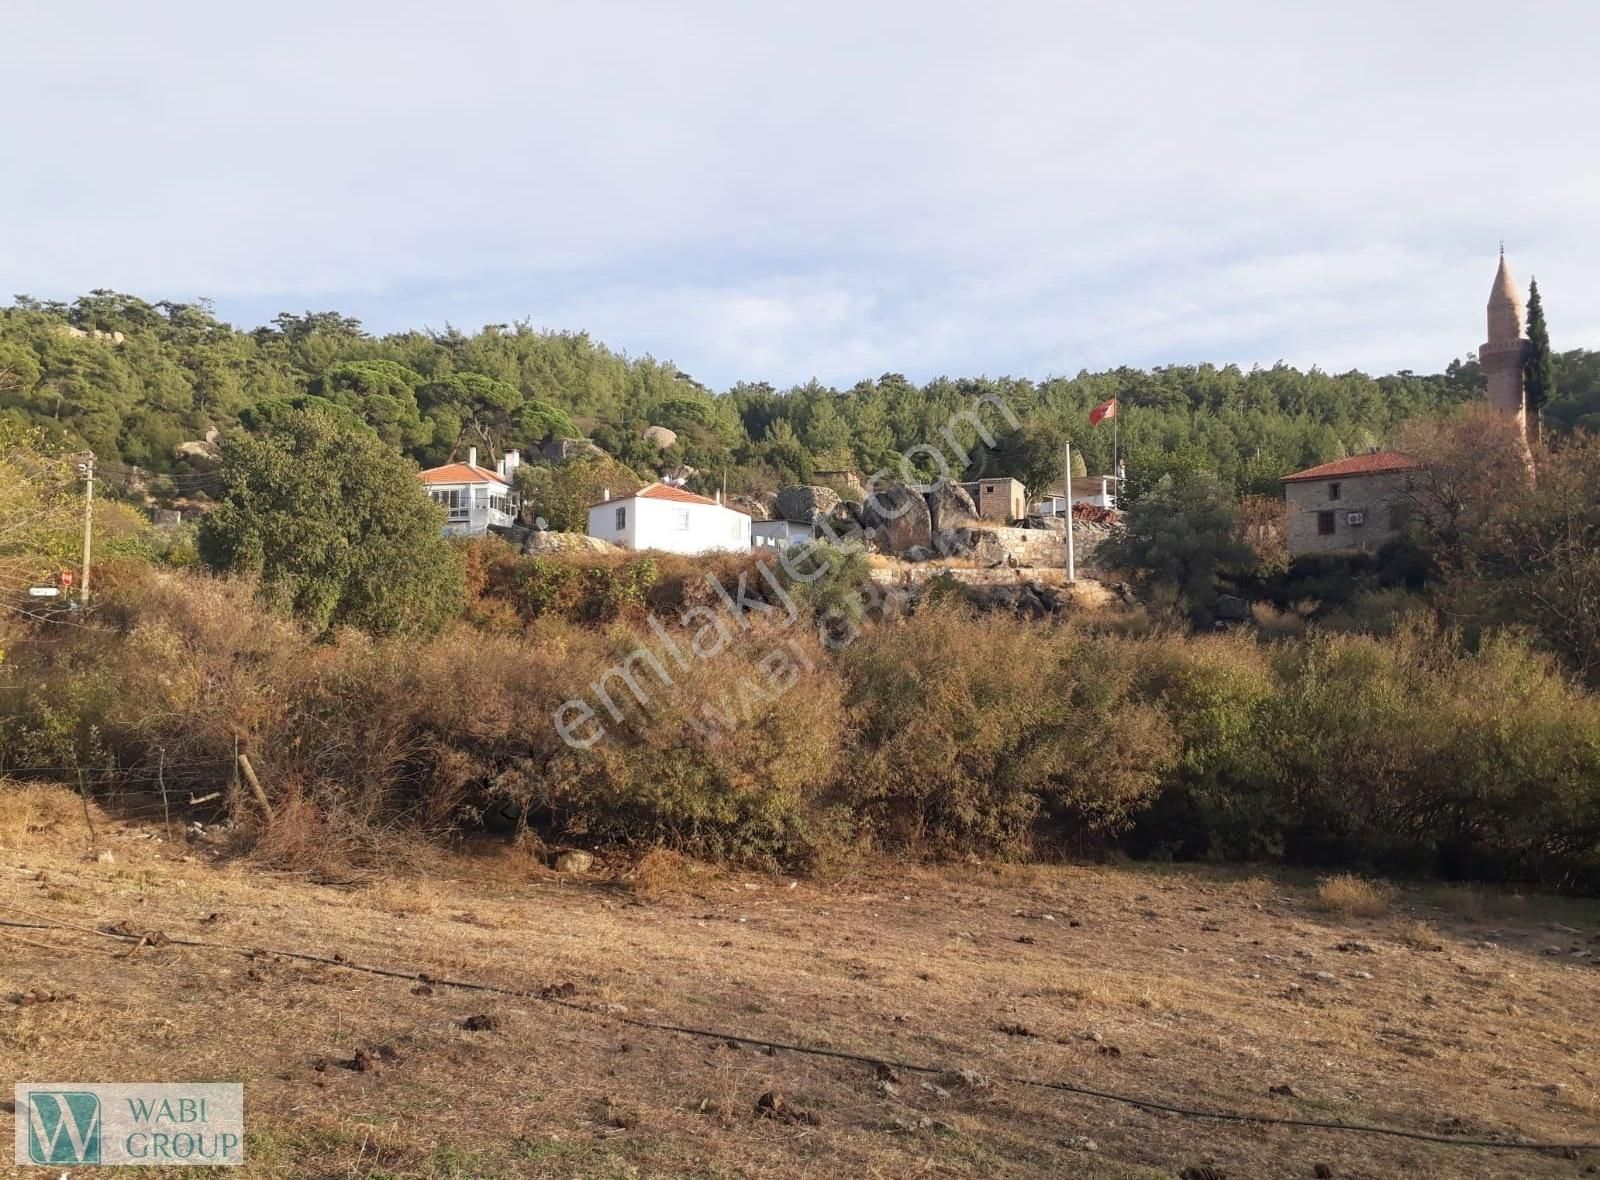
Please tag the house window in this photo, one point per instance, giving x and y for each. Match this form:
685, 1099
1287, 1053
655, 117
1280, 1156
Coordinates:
1399, 516
622, 517
1325, 524
1333, 491
680, 519
452, 500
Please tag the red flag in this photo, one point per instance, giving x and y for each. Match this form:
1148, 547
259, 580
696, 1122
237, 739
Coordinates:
1103, 411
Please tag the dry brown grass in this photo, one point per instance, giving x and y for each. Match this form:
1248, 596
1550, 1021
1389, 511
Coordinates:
1210, 989
1353, 896
662, 873
30, 812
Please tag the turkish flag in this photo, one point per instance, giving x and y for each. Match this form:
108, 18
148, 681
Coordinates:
1103, 411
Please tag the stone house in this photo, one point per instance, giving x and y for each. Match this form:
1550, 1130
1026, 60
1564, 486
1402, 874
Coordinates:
1003, 499
1350, 504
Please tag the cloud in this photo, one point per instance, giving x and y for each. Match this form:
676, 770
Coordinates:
828, 189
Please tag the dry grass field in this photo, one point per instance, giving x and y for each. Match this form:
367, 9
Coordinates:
1456, 1012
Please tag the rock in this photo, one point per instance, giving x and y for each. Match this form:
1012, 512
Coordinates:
661, 436
106, 857
1360, 975
198, 453
1202, 1172
574, 861
917, 553
543, 542
1356, 948
1283, 1091
1324, 977
1232, 609
1079, 1143
898, 519
806, 503
950, 508
483, 1022
1323, 1172
846, 483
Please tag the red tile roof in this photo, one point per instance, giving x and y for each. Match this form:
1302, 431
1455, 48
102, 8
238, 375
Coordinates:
1369, 463
462, 473
663, 491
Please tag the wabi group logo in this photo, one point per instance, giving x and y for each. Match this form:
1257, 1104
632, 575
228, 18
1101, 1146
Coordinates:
141, 1123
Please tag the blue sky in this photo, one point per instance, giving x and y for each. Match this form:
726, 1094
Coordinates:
776, 191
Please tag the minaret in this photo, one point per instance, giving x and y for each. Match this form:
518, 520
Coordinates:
1501, 355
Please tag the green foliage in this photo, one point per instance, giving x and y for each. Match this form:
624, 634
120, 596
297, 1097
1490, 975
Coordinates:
1538, 369
562, 493
178, 371
1182, 535
336, 526
829, 581
983, 735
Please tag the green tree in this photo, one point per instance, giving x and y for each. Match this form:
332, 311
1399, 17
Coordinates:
562, 493
1181, 535
336, 526
1538, 369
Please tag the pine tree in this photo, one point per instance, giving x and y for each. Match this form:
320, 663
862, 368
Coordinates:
1538, 375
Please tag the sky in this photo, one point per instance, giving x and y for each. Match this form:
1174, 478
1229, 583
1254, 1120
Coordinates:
767, 190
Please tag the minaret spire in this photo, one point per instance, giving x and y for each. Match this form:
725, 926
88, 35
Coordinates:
1501, 355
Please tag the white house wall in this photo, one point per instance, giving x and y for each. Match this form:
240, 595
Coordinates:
657, 524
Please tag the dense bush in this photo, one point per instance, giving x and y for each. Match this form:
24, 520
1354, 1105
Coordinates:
988, 735
938, 733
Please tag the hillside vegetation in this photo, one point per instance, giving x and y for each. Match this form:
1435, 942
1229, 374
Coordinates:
132, 380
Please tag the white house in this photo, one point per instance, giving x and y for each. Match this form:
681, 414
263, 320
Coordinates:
474, 496
663, 516
780, 534
1098, 490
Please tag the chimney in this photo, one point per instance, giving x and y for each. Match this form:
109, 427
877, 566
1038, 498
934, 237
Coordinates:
719, 495
510, 463
605, 495
472, 456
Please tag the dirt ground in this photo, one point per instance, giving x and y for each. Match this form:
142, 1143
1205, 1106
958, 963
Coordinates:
1459, 1012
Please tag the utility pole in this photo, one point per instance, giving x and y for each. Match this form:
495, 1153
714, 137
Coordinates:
1066, 486
87, 468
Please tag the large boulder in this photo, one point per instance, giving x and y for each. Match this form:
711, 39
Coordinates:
806, 502
950, 508
898, 519
203, 454
538, 541
660, 435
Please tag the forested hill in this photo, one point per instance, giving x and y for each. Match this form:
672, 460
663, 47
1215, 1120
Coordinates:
133, 379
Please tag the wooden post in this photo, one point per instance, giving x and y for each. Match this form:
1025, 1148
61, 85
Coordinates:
254, 783
161, 782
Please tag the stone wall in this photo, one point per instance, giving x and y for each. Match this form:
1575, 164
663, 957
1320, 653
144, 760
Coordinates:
1383, 500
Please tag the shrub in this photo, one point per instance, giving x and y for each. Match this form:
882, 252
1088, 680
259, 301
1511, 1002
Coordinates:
986, 735
1353, 896
335, 526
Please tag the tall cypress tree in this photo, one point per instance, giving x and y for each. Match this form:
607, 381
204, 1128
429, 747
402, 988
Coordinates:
1538, 374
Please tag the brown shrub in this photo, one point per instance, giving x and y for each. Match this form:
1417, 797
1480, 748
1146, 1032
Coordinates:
1353, 896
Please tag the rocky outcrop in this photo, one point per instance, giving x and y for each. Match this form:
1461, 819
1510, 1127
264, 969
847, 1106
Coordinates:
200, 453
847, 483
950, 508
897, 519
806, 502
660, 435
